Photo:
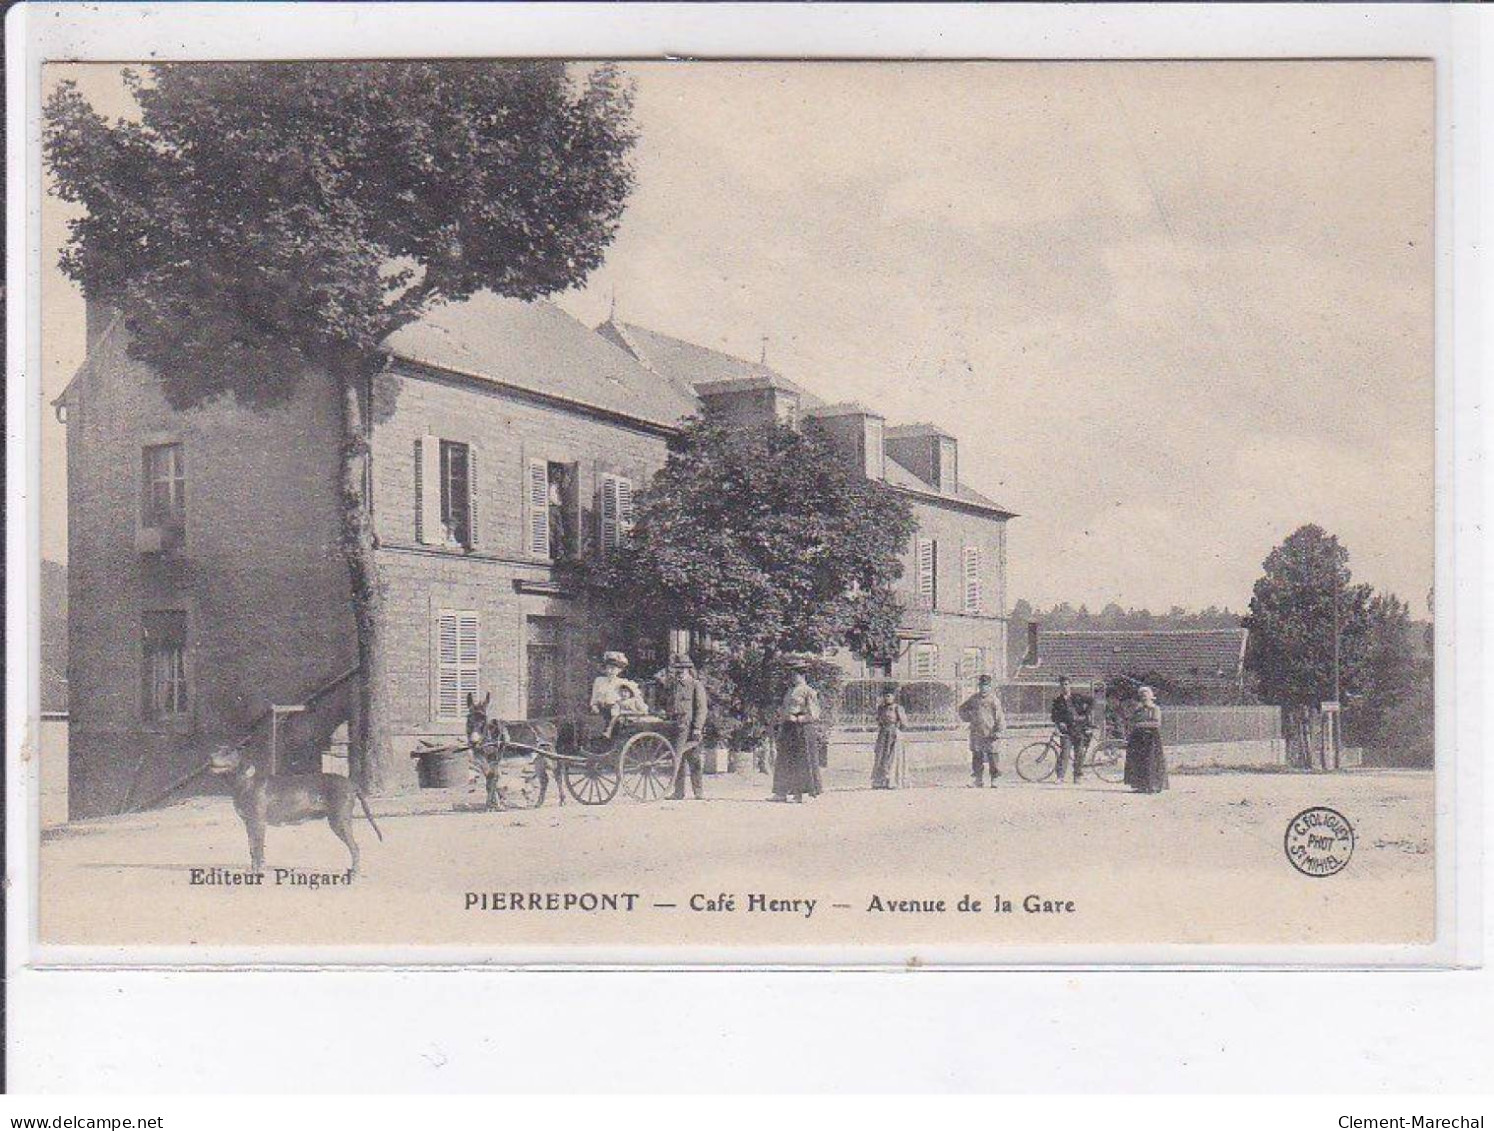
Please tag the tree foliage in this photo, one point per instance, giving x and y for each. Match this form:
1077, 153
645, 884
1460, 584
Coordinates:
766, 540
259, 222
261, 216
1291, 622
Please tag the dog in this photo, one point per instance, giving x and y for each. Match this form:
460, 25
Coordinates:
288, 799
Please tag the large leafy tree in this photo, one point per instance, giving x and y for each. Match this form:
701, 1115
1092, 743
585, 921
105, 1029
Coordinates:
1292, 622
261, 223
769, 542
1308, 621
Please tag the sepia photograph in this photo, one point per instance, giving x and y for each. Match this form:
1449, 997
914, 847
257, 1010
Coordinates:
877, 511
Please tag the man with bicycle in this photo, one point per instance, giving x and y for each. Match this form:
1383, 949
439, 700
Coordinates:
1073, 715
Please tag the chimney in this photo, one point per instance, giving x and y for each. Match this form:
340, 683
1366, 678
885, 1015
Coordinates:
1033, 657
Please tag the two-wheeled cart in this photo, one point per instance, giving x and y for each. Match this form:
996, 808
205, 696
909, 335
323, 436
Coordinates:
519, 758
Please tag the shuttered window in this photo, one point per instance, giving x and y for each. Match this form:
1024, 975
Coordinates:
456, 494
457, 662
972, 667
970, 563
927, 566
616, 511
428, 491
923, 661
537, 509
948, 466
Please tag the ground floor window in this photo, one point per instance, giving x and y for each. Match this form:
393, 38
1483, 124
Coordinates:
923, 661
458, 661
164, 673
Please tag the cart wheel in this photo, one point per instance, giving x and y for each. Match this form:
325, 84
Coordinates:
592, 782
1108, 760
647, 766
1036, 761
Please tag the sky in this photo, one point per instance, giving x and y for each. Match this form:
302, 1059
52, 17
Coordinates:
1171, 311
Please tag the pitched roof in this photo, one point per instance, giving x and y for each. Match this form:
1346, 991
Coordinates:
899, 476
1188, 655
537, 347
690, 366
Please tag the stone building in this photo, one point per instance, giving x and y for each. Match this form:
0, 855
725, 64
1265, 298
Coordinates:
208, 594
953, 588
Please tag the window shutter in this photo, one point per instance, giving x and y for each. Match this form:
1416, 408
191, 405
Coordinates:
471, 495
469, 667
448, 692
609, 513
971, 569
537, 492
428, 490
458, 661
925, 661
624, 507
926, 571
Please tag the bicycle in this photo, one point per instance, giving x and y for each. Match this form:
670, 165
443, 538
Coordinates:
1105, 757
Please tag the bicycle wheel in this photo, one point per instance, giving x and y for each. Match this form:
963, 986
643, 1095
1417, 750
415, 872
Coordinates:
1108, 760
1036, 761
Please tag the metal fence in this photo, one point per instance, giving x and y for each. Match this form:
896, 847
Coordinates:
934, 705
929, 704
1184, 725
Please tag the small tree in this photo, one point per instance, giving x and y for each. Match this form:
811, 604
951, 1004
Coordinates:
261, 223
766, 541
1293, 626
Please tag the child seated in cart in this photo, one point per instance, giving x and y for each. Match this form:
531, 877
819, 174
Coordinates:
629, 705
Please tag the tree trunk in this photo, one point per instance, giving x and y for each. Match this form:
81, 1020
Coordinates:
370, 747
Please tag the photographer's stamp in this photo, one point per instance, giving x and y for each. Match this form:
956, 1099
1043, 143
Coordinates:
1319, 841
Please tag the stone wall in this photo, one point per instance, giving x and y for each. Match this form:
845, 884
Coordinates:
496, 578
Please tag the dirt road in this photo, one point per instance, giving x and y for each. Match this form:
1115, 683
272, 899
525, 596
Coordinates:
1203, 862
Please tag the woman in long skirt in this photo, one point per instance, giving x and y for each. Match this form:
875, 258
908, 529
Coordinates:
890, 766
1146, 765
797, 770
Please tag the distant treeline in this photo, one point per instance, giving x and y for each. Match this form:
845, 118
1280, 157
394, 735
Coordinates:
1112, 616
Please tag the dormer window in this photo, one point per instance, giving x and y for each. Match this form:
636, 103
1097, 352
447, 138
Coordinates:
948, 466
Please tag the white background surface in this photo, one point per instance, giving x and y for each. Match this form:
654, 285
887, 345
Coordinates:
152, 1031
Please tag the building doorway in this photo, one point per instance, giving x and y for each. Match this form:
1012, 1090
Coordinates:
544, 670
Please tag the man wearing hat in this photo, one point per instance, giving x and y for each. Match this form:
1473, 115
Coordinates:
685, 703
987, 720
606, 689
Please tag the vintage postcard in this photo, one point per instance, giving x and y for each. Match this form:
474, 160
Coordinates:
839, 511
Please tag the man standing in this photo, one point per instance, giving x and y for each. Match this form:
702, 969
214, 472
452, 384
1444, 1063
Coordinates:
1072, 715
987, 720
686, 705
